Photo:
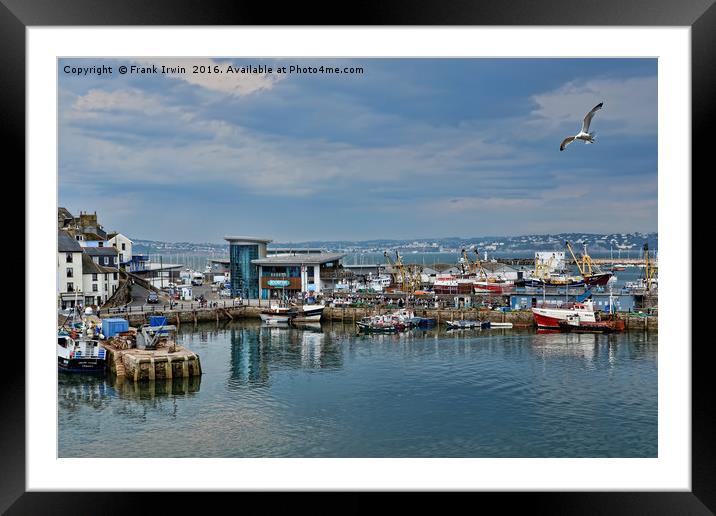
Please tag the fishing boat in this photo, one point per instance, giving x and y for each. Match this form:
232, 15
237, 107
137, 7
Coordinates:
593, 277
553, 281
377, 325
548, 317
608, 324
277, 314
449, 284
467, 324
308, 313
79, 350
421, 322
597, 279
493, 287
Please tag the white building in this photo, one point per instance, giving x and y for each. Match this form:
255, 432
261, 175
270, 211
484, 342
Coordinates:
98, 282
293, 274
69, 270
123, 245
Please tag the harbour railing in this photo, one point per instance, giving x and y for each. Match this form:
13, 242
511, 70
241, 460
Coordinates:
180, 306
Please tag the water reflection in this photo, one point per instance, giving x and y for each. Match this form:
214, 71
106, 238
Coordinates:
156, 388
329, 392
257, 350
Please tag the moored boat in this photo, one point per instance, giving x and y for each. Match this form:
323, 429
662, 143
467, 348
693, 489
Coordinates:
493, 287
573, 323
277, 314
308, 313
78, 352
373, 325
467, 324
548, 317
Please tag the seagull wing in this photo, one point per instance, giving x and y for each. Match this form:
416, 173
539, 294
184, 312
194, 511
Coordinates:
566, 142
590, 115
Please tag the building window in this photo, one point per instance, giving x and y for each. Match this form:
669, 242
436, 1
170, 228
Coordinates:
106, 260
70, 286
94, 287
101, 244
114, 275
244, 274
68, 258
69, 272
95, 259
94, 277
124, 246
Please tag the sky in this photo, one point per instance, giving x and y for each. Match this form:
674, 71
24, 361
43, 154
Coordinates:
409, 148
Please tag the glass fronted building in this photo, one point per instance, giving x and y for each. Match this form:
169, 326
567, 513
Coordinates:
244, 274
288, 275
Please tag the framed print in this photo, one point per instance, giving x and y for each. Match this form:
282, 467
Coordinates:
417, 253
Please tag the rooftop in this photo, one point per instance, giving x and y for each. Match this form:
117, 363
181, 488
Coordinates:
89, 267
299, 259
247, 240
101, 251
67, 244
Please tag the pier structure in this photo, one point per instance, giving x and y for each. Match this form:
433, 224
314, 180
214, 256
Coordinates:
193, 314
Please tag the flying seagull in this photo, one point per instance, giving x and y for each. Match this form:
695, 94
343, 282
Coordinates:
584, 134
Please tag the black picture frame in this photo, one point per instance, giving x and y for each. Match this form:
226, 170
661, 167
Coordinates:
17, 15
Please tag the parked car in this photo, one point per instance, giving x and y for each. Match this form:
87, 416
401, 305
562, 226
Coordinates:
152, 297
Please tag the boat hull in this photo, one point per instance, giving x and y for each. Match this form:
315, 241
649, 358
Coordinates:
552, 317
598, 280
593, 327
546, 321
309, 315
274, 319
535, 283
81, 365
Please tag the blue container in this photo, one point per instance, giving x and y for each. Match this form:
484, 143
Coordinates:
157, 320
113, 326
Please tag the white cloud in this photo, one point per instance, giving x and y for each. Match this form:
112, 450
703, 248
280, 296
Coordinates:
629, 105
118, 100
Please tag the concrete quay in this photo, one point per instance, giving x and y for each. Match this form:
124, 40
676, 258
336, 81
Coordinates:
518, 318
157, 364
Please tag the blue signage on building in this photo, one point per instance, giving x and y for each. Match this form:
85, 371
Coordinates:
278, 283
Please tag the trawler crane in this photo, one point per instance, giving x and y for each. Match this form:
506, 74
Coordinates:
478, 263
649, 268
397, 265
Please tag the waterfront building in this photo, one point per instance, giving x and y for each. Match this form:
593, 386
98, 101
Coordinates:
104, 256
160, 275
504, 271
123, 245
99, 283
286, 275
294, 250
244, 273
621, 302
82, 228
69, 269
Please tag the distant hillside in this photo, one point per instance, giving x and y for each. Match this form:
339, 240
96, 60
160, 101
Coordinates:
595, 242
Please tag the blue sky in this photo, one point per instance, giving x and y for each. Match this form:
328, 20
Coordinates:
409, 148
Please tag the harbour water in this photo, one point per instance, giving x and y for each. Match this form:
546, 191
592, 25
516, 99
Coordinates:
327, 392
